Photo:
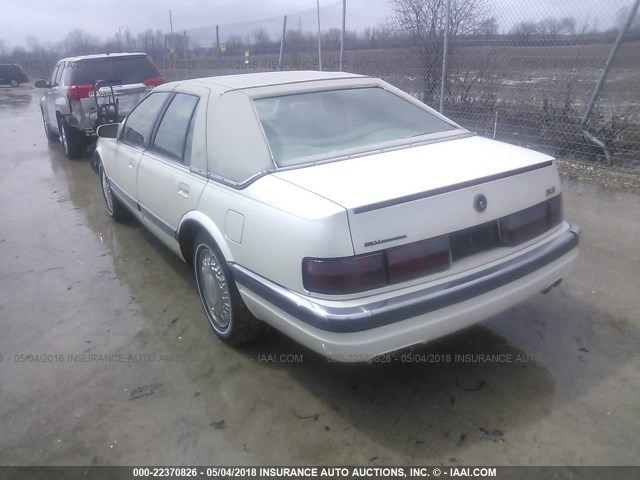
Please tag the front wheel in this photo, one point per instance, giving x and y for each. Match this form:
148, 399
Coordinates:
229, 317
15, 83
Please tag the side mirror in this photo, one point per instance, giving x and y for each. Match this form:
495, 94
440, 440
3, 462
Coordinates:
110, 130
41, 84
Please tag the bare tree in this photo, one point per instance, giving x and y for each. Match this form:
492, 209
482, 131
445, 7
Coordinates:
79, 42
549, 27
569, 26
489, 26
424, 23
525, 29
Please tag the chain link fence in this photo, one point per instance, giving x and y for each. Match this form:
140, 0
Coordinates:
523, 72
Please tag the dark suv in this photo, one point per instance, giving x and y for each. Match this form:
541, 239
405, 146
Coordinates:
81, 89
12, 74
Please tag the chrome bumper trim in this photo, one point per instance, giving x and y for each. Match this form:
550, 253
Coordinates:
376, 314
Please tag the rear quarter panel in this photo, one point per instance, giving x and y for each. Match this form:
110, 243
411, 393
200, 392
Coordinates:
281, 224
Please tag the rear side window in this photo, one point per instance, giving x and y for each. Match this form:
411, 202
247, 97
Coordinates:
139, 125
117, 70
172, 135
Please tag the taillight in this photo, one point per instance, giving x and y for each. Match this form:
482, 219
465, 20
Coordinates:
76, 92
530, 222
154, 81
417, 259
344, 275
373, 270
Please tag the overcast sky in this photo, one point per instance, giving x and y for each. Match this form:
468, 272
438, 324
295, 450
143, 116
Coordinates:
51, 20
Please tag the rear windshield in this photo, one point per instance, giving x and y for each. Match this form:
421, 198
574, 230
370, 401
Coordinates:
117, 70
319, 123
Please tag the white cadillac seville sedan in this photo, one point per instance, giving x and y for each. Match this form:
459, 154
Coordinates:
335, 208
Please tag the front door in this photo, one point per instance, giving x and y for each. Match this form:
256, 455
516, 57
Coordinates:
134, 138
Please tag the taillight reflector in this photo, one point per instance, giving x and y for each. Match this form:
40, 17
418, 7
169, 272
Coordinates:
344, 275
154, 81
530, 222
417, 259
76, 92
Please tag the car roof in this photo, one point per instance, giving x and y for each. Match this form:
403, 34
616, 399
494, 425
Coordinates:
262, 79
99, 56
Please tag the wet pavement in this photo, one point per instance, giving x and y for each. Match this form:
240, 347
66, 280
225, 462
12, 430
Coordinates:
107, 357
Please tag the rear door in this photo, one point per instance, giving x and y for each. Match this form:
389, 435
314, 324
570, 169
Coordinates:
135, 137
170, 179
52, 94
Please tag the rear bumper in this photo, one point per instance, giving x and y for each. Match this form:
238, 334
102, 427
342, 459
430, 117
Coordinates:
385, 325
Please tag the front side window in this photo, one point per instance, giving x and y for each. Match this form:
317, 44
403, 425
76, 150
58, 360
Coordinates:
320, 123
52, 80
173, 133
139, 125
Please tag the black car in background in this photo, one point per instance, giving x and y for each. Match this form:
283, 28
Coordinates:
12, 74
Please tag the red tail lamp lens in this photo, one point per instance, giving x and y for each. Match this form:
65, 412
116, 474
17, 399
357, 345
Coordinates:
154, 82
76, 92
530, 222
417, 259
344, 275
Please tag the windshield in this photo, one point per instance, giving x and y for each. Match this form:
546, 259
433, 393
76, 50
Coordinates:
317, 123
118, 70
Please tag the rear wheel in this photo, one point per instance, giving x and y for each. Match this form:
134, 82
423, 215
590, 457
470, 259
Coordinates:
115, 207
228, 315
15, 83
51, 136
71, 140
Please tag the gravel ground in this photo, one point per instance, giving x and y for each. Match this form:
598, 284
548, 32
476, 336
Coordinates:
616, 178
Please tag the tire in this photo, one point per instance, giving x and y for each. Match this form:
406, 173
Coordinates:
115, 208
51, 136
71, 140
14, 83
228, 315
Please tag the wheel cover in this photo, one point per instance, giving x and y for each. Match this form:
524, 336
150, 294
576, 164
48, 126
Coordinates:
106, 190
214, 289
63, 138
15, 83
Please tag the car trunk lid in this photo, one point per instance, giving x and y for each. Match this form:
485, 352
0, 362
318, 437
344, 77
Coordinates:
411, 194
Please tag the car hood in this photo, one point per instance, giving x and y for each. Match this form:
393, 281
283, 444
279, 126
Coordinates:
396, 174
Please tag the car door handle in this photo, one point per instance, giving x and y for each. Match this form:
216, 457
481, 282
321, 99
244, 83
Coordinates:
183, 190
132, 164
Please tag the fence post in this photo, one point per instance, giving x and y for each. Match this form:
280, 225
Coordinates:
186, 43
607, 65
344, 14
319, 44
445, 55
284, 31
173, 47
